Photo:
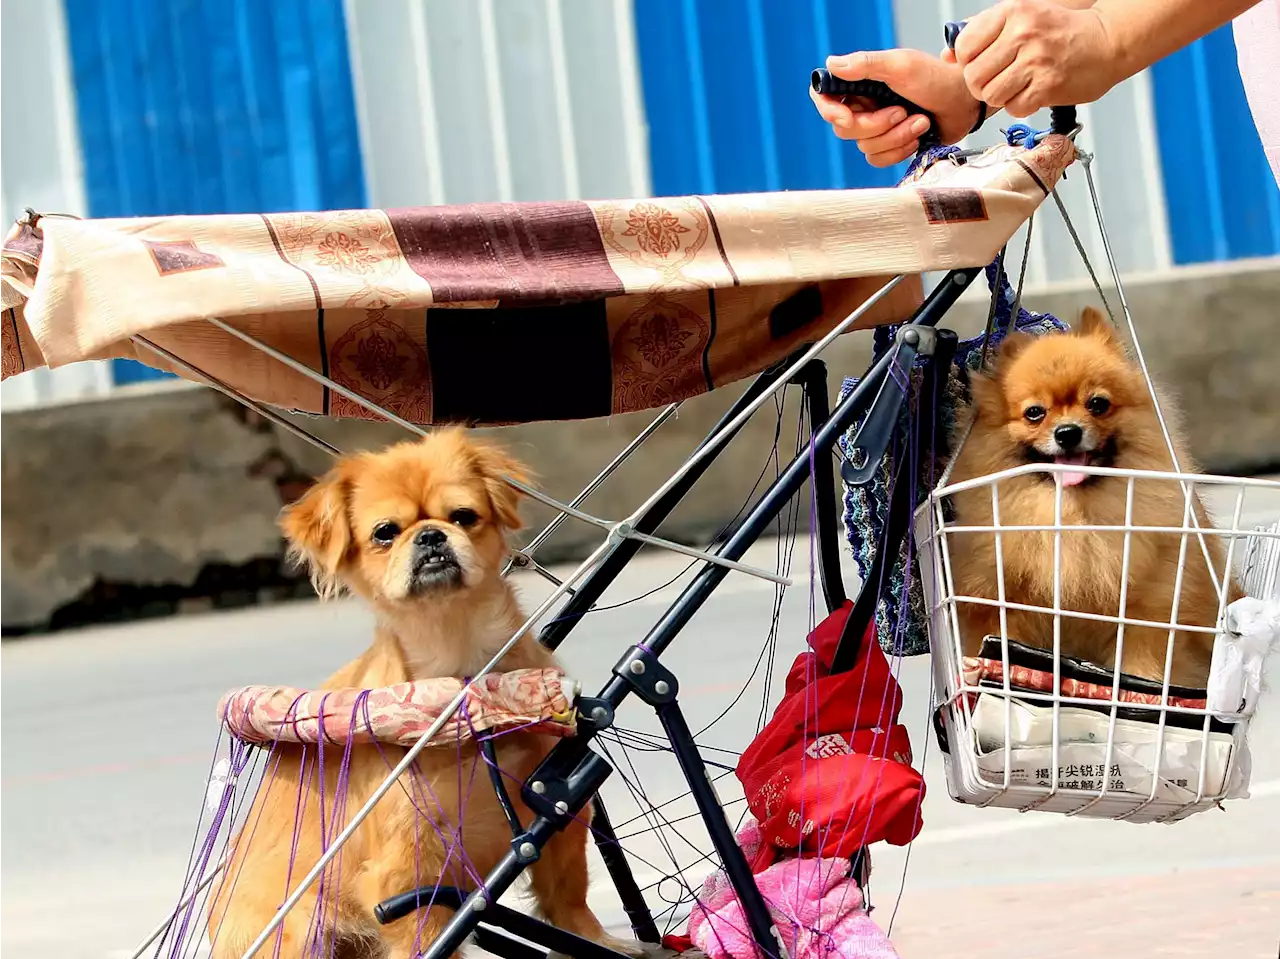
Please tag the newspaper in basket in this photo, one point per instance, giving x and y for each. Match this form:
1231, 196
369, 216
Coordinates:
1026, 729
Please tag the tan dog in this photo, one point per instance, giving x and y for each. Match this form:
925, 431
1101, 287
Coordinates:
1077, 399
418, 531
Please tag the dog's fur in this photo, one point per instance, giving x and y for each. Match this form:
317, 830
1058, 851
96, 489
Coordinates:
442, 609
1039, 385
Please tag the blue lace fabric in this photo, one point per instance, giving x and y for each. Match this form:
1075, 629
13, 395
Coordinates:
900, 614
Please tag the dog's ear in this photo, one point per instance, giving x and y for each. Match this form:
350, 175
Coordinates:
495, 465
1011, 346
987, 397
317, 527
1093, 323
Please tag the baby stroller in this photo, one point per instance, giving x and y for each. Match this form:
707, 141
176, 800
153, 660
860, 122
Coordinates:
622, 306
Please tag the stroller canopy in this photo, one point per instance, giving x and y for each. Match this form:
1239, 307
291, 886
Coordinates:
506, 312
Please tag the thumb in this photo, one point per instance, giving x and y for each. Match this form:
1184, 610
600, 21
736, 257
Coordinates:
885, 65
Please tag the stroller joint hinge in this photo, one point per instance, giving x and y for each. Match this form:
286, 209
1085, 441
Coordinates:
558, 790
642, 671
594, 714
526, 848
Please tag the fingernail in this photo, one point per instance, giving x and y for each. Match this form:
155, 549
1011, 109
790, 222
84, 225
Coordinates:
897, 115
837, 63
919, 125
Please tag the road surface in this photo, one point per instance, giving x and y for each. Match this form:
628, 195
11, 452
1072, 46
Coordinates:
107, 735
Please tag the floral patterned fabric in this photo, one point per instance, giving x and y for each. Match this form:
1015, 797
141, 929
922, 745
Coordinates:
606, 306
400, 714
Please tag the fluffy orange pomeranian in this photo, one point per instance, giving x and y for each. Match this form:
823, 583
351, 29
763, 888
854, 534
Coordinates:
1077, 399
419, 531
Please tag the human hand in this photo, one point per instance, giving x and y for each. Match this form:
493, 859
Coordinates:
887, 136
1024, 55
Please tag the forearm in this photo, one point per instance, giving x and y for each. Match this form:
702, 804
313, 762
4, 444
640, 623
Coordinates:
1144, 31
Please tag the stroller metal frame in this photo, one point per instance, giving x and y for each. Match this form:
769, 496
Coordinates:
572, 773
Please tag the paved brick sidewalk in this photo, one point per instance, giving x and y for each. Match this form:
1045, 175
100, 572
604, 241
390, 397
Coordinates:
1220, 913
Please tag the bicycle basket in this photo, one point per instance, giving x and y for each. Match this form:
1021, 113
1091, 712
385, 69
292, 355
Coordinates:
1028, 722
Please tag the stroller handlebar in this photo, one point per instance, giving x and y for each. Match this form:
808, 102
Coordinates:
1062, 119
878, 92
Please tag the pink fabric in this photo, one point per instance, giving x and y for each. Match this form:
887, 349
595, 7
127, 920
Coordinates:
400, 714
816, 907
1257, 36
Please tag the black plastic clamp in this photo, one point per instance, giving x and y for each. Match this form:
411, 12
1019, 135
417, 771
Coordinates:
872, 437
526, 847
558, 791
644, 672
593, 714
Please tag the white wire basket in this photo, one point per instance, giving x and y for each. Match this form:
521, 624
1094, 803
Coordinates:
1064, 694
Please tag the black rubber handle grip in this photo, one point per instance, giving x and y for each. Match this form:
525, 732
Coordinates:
1061, 119
877, 92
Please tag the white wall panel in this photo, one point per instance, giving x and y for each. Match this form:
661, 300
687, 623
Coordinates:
497, 100
40, 162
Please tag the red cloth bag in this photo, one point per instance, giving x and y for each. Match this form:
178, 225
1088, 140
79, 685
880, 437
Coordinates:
831, 771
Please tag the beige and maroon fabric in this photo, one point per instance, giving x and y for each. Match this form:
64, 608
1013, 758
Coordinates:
507, 312
399, 715
974, 671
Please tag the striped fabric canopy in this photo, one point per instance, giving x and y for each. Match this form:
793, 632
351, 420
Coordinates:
506, 312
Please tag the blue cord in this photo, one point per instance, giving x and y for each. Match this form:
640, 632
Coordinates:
1022, 135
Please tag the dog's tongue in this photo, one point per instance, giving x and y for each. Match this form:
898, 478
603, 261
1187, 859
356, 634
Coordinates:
1071, 478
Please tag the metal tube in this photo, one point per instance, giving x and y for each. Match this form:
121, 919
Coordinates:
731, 856
600, 477
593, 587
264, 411
464, 921
391, 417
623, 528
793, 477
850, 408
633, 902
823, 480
165, 923
958, 277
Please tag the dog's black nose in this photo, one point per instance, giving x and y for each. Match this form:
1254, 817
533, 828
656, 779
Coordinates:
430, 536
1068, 435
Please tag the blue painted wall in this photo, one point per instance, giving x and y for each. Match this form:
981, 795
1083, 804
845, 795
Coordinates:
213, 106
1222, 198
725, 85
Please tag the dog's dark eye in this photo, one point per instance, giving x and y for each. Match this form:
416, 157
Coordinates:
384, 534
463, 517
1098, 405
1033, 414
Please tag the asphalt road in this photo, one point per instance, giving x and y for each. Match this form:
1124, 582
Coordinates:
107, 736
